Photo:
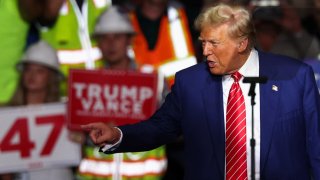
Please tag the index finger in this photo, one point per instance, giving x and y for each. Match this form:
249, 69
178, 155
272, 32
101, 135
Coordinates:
88, 127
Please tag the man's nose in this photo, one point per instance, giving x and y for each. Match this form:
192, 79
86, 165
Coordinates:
206, 49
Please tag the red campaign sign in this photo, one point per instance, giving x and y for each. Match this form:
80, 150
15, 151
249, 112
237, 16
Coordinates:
120, 97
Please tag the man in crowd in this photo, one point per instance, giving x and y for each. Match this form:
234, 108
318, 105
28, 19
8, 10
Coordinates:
114, 32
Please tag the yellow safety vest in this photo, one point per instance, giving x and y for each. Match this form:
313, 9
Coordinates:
13, 33
71, 35
149, 165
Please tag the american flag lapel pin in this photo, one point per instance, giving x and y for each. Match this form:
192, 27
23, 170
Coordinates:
275, 88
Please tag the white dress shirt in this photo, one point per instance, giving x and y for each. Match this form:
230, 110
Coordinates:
250, 68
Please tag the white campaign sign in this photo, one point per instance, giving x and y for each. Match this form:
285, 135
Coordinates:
36, 137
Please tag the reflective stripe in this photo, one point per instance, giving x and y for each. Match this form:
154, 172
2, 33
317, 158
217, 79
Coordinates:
147, 68
118, 157
105, 168
130, 52
135, 156
98, 4
83, 31
78, 56
265, 3
102, 3
64, 9
177, 34
170, 68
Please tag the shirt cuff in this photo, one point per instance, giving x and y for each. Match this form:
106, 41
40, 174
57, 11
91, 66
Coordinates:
112, 147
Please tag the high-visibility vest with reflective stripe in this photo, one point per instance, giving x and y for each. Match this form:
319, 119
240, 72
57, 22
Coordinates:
71, 35
149, 165
173, 50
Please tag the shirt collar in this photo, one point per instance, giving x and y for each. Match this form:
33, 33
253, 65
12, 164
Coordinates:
250, 67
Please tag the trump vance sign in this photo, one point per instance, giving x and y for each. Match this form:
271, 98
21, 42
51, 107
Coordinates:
120, 97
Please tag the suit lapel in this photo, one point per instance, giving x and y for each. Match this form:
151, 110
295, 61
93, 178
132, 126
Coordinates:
269, 96
213, 100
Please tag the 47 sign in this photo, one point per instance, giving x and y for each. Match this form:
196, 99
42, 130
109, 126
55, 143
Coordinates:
25, 144
35, 137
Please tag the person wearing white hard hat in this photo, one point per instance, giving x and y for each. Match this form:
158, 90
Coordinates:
39, 84
164, 44
40, 76
114, 32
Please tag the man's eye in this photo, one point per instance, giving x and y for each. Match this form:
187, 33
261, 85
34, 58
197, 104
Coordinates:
210, 43
213, 43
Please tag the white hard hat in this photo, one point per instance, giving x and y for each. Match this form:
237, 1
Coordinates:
113, 20
41, 53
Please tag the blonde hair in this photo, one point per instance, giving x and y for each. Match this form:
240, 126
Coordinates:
52, 91
237, 18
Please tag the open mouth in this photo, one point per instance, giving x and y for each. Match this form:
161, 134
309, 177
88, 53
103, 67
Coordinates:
211, 64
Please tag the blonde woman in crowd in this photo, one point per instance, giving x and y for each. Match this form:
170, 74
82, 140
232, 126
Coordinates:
39, 84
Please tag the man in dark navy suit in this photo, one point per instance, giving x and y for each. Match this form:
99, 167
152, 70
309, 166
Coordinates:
287, 116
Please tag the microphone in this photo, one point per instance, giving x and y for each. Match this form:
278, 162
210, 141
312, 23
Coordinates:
258, 79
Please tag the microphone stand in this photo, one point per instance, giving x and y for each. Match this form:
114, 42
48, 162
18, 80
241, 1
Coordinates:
252, 140
253, 81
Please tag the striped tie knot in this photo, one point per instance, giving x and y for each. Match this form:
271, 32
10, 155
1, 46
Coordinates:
236, 76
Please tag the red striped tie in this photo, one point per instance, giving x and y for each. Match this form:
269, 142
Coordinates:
236, 153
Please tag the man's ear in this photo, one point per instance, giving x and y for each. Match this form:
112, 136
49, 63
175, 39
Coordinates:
243, 44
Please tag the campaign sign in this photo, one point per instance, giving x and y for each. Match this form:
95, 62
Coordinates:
120, 97
36, 137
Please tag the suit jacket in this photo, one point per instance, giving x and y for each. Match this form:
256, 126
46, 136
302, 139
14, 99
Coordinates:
290, 122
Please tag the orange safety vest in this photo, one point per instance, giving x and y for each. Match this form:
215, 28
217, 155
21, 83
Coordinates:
173, 50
